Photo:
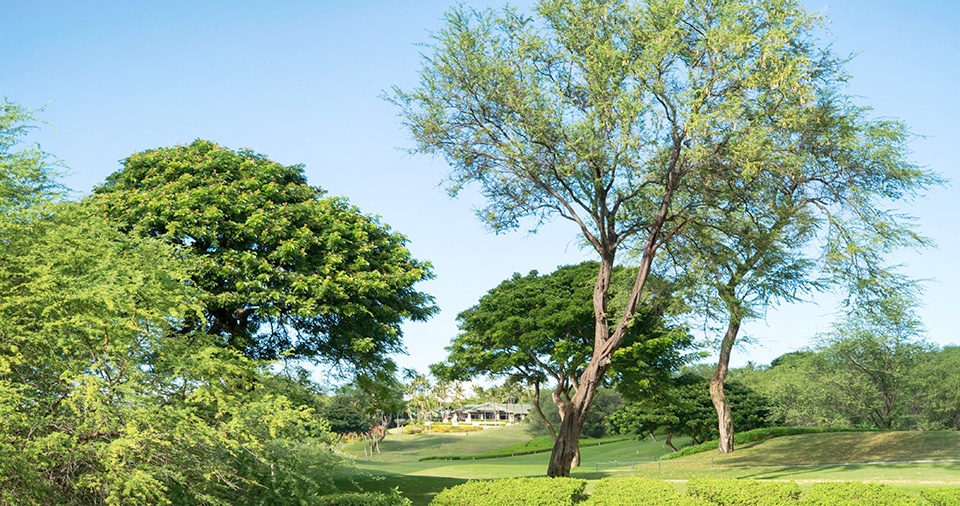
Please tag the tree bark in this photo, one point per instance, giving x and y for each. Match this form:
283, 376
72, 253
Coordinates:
566, 446
669, 441
719, 398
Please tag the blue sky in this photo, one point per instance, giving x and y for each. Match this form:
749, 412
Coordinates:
301, 81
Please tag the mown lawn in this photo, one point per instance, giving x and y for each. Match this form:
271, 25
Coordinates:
803, 458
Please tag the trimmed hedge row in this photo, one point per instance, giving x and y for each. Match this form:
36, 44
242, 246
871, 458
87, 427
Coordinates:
749, 436
858, 494
942, 496
365, 499
628, 491
632, 491
514, 492
744, 492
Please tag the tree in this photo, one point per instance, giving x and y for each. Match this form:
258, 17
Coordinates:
537, 329
643, 122
686, 408
102, 404
871, 353
637, 121
28, 175
284, 269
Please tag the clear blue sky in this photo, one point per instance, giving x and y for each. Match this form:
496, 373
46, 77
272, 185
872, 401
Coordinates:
300, 81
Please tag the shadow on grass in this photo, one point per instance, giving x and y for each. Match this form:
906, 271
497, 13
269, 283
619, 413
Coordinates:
419, 489
894, 470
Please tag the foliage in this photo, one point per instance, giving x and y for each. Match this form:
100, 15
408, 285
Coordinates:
941, 496
102, 405
685, 409
514, 492
860, 494
283, 269
365, 499
933, 393
870, 372
28, 175
871, 354
743, 492
629, 491
597, 423
644, 123
538, 329
344, 418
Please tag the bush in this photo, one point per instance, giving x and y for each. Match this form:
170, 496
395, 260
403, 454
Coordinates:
365, 499
743, 492
446, 427
514, 492
942, 496
631, 491
858, 494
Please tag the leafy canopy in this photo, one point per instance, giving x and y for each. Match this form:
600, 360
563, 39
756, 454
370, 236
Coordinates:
283, 268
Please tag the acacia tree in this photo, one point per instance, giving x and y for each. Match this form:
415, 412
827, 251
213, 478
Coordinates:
284, 269
627, 118
768, 236
28, 175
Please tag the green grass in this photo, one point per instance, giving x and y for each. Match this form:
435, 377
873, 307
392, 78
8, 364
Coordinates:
805, 458
536, 445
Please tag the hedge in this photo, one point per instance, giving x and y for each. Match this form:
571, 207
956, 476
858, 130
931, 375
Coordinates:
365, 499
942, 496
853, 493
632, 491
744, 492
514, 492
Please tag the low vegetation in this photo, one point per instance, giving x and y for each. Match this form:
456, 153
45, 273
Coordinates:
515, 492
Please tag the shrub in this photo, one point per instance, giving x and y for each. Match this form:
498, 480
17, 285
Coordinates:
365, 499
858, 494
942, 496
743, 492
631, 491
514, 492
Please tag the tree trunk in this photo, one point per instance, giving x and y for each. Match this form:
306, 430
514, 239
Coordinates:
605, 343
669, 441
719, 398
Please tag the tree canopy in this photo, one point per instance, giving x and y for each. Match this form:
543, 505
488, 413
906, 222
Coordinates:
283, 268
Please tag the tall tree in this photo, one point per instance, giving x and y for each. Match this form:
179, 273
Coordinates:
631, 119
284, 269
